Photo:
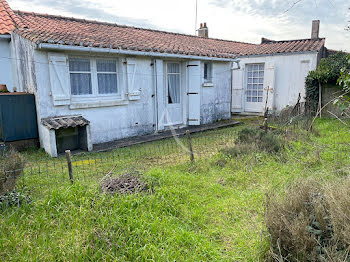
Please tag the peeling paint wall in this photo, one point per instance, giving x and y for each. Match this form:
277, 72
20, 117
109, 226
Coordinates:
24, 64
216, 99
6, 76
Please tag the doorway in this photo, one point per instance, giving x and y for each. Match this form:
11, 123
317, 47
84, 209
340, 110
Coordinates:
254, 91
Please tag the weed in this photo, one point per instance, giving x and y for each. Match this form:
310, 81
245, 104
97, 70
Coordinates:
253, 139
310, 222
11, 167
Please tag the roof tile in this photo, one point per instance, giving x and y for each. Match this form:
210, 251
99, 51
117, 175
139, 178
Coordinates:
42, 28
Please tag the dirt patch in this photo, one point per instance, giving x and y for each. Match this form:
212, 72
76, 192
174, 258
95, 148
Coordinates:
124, 184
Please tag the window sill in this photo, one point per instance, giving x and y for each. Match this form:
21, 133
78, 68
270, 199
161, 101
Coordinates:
96, 104
208, 84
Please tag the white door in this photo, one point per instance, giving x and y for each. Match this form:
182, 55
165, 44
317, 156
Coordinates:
237, 91
193, 94
173, 94
254, 88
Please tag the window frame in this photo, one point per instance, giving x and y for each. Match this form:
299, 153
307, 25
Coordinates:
94, 80
207, 79
180, 84
80, 72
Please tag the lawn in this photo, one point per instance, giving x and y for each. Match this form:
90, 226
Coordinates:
209, 210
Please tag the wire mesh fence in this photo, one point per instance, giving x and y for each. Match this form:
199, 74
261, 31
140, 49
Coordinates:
39, 178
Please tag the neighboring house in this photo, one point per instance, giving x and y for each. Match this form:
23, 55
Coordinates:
273, 73
96, 82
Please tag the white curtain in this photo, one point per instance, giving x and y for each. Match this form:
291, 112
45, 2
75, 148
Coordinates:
173, 83
79, 80
107, 76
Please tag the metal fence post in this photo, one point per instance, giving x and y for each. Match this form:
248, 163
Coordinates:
190, 145
70, 167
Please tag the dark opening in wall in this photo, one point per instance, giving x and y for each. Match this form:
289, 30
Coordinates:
71, 138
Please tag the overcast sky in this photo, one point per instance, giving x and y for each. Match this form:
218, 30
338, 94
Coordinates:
239, 20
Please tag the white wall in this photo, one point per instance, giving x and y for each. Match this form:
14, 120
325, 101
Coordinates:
107, 123
216, 99
6, 76
290, 73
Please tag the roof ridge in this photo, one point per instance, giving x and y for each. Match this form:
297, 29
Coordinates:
293, 40
19, 12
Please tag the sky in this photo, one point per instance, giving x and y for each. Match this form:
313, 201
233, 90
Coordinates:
238, 20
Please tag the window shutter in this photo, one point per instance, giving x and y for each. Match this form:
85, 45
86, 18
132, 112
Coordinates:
59, 79
269, 85
237, 90
133, 91
160, 85
194, 88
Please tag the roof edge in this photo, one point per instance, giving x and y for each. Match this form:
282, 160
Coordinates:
279, 54
292, 40
46, 46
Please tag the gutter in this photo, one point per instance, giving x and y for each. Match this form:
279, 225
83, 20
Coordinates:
7, 37
45, 46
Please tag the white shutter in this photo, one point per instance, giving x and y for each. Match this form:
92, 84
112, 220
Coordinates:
269, 85
160, 93
237, 90
134, 91
194, 88
59, 79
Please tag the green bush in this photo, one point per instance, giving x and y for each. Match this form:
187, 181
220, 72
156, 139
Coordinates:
327, 72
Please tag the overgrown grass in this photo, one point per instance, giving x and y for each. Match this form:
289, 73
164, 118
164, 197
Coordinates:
211, 210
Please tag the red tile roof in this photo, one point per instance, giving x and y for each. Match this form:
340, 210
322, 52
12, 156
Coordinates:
79, 32
42, 28
287, 46
8, 19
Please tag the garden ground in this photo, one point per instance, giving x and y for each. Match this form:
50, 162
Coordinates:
209, 210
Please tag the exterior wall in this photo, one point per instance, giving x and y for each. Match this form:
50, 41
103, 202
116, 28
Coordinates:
111, 120
289, 76
216, 98
6, 76
24, 65
107, 123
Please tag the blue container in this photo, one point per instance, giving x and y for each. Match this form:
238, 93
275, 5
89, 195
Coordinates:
17, 117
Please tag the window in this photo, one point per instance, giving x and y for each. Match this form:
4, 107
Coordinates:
255, 83
93, 76
80, 76
107, 77
173, 82
208, 72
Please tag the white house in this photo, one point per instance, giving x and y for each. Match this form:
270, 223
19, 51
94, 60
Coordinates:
96, 82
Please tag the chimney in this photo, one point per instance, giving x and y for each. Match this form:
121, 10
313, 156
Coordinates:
203, 30
315, 29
